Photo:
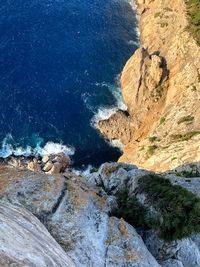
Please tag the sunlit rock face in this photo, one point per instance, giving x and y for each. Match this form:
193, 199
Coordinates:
160, 86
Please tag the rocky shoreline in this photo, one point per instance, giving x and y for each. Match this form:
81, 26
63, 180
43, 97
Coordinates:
49, 164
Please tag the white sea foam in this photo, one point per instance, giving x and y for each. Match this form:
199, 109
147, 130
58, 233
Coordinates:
84, 172
50, 148
134, 43
54, 148
117, 143
134, 7
105, 112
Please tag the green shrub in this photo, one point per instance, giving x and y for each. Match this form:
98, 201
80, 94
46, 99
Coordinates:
141, 148
157, 14
151, 149
198, 76
186, 119
168, 9
152, 139
193, 12
179, 209
163, 24
184, 137
132, 211
194, 88
106, 190
159, 90
162, 120
188, 174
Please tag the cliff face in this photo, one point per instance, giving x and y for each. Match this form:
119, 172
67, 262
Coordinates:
161, 87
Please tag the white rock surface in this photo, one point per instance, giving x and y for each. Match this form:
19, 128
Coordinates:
117, 176
76, 213
24, 241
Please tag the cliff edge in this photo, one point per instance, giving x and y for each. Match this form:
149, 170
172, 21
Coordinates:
161, 88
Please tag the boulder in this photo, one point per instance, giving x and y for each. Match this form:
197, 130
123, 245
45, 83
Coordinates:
55, 163
48, 166
34, 166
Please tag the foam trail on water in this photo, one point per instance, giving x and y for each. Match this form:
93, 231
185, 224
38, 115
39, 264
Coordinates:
116, 143
84, 172
134, 43
54, 148
103, 112
8, 149
134, 7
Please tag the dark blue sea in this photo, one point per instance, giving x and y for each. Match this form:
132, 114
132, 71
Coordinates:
60, 63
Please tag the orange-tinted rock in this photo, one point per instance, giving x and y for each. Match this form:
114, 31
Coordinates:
160, 85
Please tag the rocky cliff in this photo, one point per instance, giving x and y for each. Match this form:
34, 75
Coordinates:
161, 88
78, 211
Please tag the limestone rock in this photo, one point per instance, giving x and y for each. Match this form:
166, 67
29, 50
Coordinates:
57, 167
51, 163
185, 252
46, 158
55, 163
24, 241
160, 86
76, 213
34, 166
118, 176
48, 166
118, 126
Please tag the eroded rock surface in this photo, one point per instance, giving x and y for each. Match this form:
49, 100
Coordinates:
161, 88
76, 213
119, 176
51, 163
24, 241
118, 126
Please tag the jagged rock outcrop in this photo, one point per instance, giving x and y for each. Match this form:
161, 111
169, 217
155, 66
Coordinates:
161, 86
24, 241
118, 126
51, 163
76, 213
119, 176
55, 163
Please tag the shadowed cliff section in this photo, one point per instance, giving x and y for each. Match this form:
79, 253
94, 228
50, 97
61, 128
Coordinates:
161, 88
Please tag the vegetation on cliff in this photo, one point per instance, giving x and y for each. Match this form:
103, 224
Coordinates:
193, 11
178, 210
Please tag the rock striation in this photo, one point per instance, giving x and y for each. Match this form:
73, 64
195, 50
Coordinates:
24, 241
161, 88
77, 214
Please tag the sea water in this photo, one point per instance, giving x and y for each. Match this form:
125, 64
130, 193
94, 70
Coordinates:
60, 64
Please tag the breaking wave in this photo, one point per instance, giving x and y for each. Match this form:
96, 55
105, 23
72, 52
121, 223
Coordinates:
8, 149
